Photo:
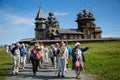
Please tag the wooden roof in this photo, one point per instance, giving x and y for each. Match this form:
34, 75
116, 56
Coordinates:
69, 31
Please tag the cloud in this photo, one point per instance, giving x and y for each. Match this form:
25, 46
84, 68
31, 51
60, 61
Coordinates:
20, 20
15, 25
16, 20
111, 35
11, 20
9, 16
61, 13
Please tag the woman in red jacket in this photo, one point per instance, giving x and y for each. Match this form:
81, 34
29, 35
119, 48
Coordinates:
35, 57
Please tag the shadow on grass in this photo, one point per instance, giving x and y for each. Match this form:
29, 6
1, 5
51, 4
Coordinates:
7, 64
4, 74
4, 69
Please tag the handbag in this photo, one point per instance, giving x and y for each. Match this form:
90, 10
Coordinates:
77, 63
32, 56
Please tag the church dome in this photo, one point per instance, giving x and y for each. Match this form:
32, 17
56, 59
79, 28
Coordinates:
51, 13
85, 10
90, 14
85, 13
79, 15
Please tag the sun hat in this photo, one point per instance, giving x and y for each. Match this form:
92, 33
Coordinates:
18, 44
52, 45
77, 43
23, 44
36, 45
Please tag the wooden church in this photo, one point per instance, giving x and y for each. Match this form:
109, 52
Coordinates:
49, 29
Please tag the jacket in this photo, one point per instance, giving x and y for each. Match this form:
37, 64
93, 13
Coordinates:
74, 54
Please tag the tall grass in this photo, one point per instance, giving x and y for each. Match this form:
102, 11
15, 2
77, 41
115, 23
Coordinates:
5, 61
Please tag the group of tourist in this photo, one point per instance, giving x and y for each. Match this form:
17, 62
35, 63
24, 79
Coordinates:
59, 54
20, 54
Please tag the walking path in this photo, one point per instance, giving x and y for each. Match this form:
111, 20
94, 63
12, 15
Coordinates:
46, 73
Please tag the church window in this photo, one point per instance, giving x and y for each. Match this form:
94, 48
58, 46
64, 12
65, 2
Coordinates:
79, 36
85, 36
64, 36
71, 36
75, 36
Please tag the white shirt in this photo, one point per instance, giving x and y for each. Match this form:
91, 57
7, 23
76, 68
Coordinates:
17, 51
79, 53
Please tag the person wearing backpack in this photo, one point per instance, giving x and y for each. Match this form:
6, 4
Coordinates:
35, 58
78, 59
52, 56
16, 58
45, 52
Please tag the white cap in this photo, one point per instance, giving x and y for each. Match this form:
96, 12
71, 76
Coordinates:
18, 44
52, 45
77, 43
23, 44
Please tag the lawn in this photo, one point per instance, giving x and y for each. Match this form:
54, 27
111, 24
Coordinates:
102, 60
5, 61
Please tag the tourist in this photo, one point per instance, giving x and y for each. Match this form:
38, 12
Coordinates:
78, 59
62, 56
45, 52
53, 56
23, 52
16, 58
56, 47
11, 48
69, 53
68, 48
35, 57
28, 53
41, 47
7, 48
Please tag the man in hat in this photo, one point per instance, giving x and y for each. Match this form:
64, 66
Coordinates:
16, 58
77, 55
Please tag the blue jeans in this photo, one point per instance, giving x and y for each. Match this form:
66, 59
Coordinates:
61, 66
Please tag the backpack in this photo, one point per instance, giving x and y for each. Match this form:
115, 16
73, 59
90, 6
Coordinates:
34, 56
54, 52
13, 50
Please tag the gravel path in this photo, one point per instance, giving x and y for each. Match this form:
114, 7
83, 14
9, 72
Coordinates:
46, 73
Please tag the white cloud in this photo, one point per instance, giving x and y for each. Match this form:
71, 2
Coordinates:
110, 35
19, 20
15, 23
61, 13
9, 16
15, 26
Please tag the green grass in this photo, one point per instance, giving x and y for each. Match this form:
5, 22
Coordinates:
5, 61
102, 60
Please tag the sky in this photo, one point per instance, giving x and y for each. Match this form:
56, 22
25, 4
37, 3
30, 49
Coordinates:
17, 16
